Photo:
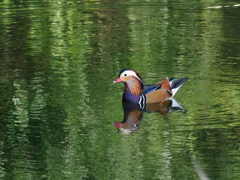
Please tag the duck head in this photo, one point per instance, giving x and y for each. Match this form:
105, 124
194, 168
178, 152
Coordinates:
128, 76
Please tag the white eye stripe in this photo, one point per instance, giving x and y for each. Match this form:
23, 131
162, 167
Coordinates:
131, 73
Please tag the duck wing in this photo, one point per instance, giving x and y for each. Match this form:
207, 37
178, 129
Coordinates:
148, 88
157, 92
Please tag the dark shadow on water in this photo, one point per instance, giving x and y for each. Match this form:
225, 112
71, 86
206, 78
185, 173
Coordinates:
133, 113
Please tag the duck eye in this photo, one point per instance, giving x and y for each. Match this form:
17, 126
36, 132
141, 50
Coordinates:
125, 75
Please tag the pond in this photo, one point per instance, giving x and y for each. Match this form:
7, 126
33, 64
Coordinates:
63, 118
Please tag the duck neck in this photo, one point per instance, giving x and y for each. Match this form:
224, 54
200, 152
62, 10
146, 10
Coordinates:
132, 92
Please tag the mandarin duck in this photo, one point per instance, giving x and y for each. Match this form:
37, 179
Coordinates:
136, 92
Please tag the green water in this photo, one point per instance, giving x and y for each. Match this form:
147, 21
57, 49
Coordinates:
58, 104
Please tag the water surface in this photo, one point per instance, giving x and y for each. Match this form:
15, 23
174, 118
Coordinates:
58, 60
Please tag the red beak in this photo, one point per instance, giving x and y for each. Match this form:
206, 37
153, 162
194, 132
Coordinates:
117, 125
117, 80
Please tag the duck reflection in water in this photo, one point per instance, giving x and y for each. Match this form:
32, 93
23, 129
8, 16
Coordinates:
133, 113
151, 98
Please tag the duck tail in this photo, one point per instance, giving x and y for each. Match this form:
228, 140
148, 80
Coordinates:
175, 85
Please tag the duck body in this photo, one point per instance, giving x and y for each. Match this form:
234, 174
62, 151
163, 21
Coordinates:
128, 96
136, 92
